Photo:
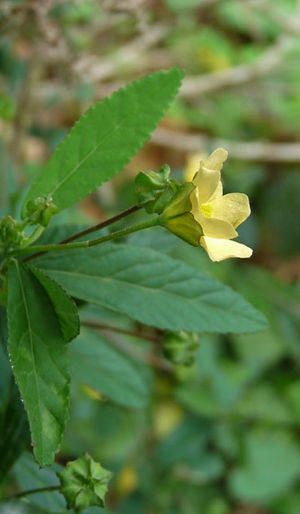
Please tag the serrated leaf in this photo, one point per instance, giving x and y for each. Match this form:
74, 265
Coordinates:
104, 368
64, 306
39, 359
151, 288
106, 138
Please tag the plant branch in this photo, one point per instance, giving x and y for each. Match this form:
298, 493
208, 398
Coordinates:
151, 360
118, 330
40, 249
49, 488
103, 224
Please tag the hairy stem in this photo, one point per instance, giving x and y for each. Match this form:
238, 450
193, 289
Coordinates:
39, 249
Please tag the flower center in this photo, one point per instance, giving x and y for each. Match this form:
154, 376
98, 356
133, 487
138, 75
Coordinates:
206, 210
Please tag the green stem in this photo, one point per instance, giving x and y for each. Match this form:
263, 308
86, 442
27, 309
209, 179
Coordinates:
36, 234
85, 244
49, 488
105, 223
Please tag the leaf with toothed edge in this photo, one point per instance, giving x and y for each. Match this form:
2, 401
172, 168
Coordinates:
105, 139
40, 360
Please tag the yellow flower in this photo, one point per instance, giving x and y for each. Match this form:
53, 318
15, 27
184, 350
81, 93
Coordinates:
192, 165
219, 215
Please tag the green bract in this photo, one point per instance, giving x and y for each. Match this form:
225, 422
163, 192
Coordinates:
84, 483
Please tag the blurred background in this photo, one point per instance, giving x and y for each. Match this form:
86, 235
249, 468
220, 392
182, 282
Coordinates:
224, 437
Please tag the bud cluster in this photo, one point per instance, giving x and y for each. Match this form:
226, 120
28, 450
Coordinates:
40, 210
11, 234
156, 189
179, 347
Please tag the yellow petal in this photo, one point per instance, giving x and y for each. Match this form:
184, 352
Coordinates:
207, 182
218, 192
233, 208
208, 177
220, 249
213, 227
216, 159
193, 165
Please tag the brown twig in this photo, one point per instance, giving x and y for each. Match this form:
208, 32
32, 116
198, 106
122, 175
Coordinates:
247, 151
152, 360
100, 326
103, 224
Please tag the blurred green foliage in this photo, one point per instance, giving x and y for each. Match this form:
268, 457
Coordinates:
226, 439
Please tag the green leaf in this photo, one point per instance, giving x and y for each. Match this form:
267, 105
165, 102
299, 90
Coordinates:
30, 476
14, 430
105, 139
151, 288
19, 507
64, 306
262, 403
104, 368
39, 359
272, 465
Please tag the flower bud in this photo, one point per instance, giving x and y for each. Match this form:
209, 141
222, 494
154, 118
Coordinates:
40, 210
10, 232
149, 184
84, 483
179, 347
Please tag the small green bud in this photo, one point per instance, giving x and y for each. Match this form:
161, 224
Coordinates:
10, 232
163, 199
40, 210
150, 184
179, 347
84, 483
